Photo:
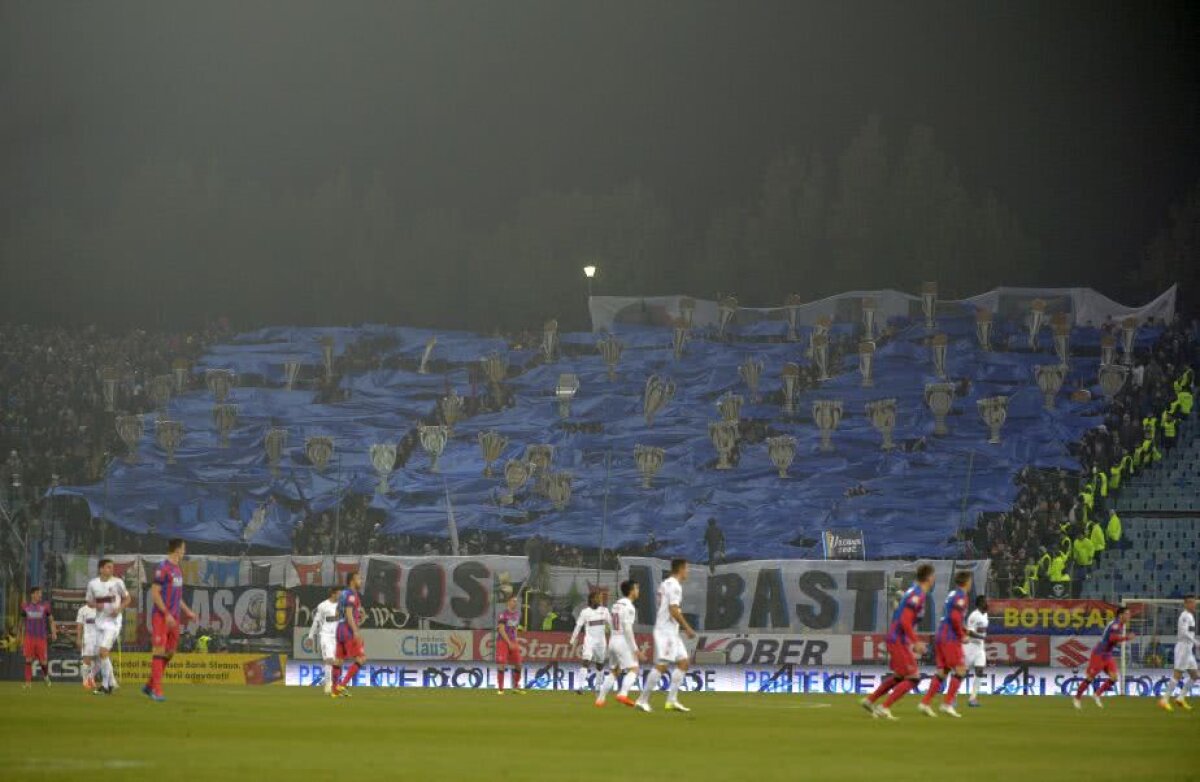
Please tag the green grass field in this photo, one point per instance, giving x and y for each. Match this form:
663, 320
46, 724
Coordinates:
233, 733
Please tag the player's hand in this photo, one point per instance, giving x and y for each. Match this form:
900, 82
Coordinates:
919, 648
689, 632
171, 622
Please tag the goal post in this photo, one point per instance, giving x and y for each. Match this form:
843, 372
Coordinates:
1153, 622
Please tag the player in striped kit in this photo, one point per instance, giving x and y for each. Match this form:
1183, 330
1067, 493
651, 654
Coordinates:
623, 652
1185, 659
508, 646
948, 649
350, 645
323, 635
1102, 659
85, 639
107, 594
39, 629
596, 623
903, 647
166, 610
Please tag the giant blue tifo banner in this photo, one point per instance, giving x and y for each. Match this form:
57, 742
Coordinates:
908, 501
836, 597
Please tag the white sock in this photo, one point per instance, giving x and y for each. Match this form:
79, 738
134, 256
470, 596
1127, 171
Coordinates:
651, 682
606, 687
328, 674
85, 670
583, 677
110, 672
627, 682
676, 680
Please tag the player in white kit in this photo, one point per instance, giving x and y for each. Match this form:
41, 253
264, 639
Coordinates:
596, 623
85, 639
623, 652
975, 647
323, 634
669, 648
107, 594
1185, 658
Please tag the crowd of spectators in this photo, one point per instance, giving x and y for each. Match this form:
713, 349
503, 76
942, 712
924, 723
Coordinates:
56, 426
1061, 522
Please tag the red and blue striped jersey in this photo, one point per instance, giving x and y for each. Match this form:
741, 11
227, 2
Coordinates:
1114, 636
37, 620
951, 627
903, 628
169, 578
348, 601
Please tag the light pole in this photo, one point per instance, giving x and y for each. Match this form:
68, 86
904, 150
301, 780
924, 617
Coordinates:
589, 271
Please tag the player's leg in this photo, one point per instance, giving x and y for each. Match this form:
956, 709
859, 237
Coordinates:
359, 660
1168, 693
1111, 670
85, 671
974, 688
517, 673
643, 701
678, 673
904, 665
956, 678
631, 676
935, 686
44, 660
1193, 680
606, 686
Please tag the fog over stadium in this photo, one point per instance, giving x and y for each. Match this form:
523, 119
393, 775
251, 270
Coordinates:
722, 383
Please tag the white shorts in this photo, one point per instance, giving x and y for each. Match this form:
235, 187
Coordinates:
974, 655
668, 646
107, 633
594, 651
620, 656
89, 642
328, 647
1185, 657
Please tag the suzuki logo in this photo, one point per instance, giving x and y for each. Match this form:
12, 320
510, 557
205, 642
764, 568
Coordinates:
1071, 654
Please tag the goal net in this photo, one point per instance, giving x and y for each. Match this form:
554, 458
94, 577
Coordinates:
1153, 623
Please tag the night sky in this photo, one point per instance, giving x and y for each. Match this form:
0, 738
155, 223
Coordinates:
1082, 117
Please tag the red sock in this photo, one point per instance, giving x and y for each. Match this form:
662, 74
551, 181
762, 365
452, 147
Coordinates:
516, 678
888, 683
1082, 688
1105, 686
500, 679
351, 672
28, 672
952, 691
899, 692
935, 686
335, 675
157, 665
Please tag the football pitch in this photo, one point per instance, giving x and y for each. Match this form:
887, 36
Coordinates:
268, 733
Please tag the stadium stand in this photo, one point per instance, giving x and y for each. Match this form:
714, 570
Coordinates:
364, 386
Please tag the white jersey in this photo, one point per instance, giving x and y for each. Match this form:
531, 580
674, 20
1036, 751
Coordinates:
325, 620
670, 593
1185, 642
977, 623
86, 617
1186, 630
595, 623
624, 617
106, 597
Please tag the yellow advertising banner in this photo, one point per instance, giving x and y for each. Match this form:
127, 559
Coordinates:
218, 668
